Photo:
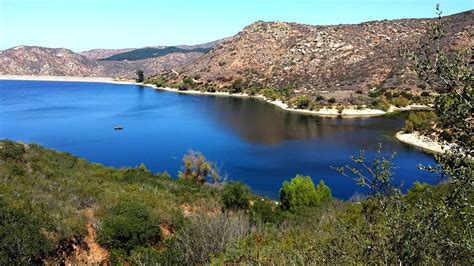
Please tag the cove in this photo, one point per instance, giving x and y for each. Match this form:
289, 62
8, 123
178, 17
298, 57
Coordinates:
252, 141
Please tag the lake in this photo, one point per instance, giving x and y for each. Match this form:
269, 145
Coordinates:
252, 141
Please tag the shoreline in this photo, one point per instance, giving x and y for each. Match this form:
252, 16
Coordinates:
67, 78
347, 112
422, 142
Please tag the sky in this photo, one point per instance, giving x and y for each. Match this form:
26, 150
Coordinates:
86, 24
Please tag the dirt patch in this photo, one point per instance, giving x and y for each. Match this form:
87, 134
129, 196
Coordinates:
90, 252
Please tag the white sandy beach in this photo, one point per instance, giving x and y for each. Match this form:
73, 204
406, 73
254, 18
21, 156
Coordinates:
422, 142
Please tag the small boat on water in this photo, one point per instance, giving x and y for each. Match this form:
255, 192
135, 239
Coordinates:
118, 127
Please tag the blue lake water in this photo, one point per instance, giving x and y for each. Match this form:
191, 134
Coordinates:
252, 141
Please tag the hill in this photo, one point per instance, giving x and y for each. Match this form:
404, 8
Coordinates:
151, 52
103, 53
315, 59
34, 60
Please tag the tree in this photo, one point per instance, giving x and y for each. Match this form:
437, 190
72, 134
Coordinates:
451, 75
140, 76
236, 196
197, 169
301, 192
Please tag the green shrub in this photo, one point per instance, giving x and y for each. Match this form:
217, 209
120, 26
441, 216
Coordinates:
140, 76
407, 95
425, 94
300, 102
380, 105
332, 100
421, 121
189, 81
265, 211
11, 151
237, 86
236, 196
22, 239
270, 93
129, 225
301, 192
319, 98
400, 101
408, 128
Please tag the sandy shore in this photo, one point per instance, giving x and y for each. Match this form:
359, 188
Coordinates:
347, 112
67, 78
422, 142
329, 112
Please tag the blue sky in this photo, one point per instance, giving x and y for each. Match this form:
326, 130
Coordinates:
85, 24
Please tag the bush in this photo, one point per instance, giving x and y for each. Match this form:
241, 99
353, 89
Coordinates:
140, 76
129, 225
319, 98
197, 169
11, 151
236, 196
388, 95
270, 93
332, 100
358, 92
407, 95
265, 211
300, 102
425, 94
380, 105
400, 101
237, 86
207, 235
301, 192
421, 121
189, 81
22, 238
408, 128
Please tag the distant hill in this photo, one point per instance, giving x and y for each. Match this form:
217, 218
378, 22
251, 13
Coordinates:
150, 52
312, 59
34, 60
103, 53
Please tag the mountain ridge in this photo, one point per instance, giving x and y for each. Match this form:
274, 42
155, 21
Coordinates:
37, 60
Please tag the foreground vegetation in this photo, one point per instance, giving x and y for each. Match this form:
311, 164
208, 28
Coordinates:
141, 217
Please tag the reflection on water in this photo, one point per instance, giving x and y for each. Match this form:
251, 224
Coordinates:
255, 142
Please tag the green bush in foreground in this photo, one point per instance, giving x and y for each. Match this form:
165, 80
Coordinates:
301, 192
236, 196
21, 238
129, 225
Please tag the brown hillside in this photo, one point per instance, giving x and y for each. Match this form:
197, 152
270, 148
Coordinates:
320, 58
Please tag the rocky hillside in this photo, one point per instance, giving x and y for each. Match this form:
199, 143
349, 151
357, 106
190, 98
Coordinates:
103, 53
33, 60
312, 59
